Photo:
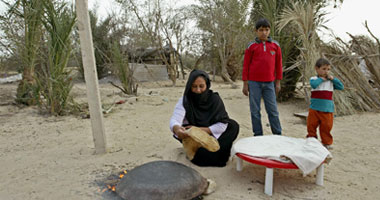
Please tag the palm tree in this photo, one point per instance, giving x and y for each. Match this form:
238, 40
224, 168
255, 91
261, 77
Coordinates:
305, 19
291, 44
31, 12
287, 38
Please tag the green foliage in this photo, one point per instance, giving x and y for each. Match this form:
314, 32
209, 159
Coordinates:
42, 40
305, 19
54, 82
104, 33
102, 43
124, 73
27, 46
307, 16
271, 10
225, 33
12, 43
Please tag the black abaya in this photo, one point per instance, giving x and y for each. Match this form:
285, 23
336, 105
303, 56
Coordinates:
204, 110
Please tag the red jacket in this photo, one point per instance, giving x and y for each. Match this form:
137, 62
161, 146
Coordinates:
262, 61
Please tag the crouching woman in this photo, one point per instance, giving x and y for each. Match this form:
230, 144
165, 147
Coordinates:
201, 107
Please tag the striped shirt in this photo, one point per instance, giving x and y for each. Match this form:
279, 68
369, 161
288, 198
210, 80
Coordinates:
322, 93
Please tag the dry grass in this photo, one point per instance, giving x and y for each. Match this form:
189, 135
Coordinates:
359, 94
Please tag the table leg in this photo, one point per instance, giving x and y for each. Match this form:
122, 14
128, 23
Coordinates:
268, 181
320, 172
239, 164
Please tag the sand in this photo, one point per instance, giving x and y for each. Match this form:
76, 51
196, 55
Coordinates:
48, 157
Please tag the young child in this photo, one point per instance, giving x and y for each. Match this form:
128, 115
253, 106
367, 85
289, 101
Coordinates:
321, 103
262, 72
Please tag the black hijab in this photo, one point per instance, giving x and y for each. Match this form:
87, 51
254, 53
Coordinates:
203, 109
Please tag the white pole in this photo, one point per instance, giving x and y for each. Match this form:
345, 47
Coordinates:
91, 76
268, 181
320, 174
239, 164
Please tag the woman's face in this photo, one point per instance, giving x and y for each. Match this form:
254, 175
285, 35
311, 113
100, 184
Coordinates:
199, 85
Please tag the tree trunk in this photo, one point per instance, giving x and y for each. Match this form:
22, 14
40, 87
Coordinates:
224, 73
25, 88
199, 60
172, 69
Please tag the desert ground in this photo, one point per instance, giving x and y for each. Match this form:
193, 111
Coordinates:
49, 157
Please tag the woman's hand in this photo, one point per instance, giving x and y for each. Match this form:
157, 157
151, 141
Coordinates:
206, 129
179, 131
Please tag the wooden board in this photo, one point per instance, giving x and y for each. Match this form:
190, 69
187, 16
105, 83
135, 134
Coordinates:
91, 77
302, 115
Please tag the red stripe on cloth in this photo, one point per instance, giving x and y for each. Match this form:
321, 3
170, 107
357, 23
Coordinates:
322, 95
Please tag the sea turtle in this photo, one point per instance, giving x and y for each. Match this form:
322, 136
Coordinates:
162, 180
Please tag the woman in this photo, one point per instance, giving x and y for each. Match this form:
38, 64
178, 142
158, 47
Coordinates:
203, 108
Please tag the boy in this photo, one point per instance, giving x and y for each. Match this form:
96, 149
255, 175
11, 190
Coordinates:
262, 72
321, 102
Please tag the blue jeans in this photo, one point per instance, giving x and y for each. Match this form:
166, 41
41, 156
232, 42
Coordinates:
267, 91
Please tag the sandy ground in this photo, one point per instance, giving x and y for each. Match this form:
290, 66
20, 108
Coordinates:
47, 157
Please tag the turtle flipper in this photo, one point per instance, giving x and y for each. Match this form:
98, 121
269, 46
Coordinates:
211, 187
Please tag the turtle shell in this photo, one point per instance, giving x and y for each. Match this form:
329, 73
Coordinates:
161, 180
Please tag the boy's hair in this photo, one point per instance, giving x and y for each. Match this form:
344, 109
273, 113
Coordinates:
322, 61
262, 22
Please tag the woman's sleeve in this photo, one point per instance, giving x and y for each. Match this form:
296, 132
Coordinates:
217, 129
178, 114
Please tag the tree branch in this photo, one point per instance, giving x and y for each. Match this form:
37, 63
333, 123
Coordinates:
369, 31
120, 88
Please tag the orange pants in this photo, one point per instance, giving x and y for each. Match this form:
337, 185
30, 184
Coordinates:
325, 122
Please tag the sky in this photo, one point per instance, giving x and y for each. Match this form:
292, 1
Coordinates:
349, 17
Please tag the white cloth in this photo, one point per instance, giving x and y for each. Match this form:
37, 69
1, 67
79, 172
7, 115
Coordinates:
307, 153
178, 118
